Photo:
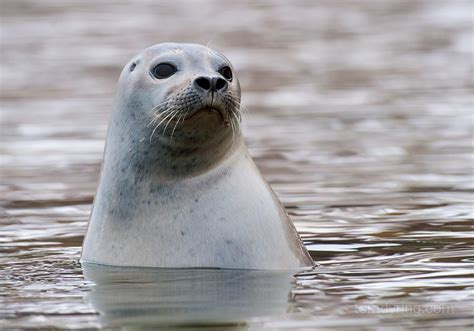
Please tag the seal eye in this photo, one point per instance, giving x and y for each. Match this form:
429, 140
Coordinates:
164, 70
226, 73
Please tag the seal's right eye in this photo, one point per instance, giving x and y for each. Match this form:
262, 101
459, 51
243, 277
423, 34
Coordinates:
164, 70
226, 72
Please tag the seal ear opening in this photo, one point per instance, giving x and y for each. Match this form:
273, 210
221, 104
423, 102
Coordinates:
133, 66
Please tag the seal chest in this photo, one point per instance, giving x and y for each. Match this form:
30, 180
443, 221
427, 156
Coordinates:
177, 185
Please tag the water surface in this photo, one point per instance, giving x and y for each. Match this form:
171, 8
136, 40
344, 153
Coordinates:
360, 117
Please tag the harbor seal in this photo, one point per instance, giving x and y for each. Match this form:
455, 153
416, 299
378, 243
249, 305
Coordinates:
178, 188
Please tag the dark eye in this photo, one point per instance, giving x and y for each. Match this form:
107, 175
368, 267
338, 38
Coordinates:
226, 73
164, 70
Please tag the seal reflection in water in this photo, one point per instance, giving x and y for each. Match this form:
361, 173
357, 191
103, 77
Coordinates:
149, 298
177, 186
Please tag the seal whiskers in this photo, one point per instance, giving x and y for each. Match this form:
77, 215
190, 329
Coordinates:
168, 113
176, 112
158, 111
177, 122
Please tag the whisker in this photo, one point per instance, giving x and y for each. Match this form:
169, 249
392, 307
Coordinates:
159, 112
208, 49
179, 118
159, 105
234, 101
170, 112
239, 105
157, 117
237, 116
170, 119
156, 127
233, 134
245, 109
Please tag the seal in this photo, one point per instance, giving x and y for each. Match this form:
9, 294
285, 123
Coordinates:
178, 188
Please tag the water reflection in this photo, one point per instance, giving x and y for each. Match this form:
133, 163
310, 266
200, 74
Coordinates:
152, 297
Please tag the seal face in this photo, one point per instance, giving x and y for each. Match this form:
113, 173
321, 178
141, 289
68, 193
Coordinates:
178, 187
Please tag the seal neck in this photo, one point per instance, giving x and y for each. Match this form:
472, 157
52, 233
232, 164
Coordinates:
173, 159
165, 157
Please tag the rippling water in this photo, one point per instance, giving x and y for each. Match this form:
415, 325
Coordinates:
360, 118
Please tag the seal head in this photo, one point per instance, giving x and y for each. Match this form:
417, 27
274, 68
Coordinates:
179, 99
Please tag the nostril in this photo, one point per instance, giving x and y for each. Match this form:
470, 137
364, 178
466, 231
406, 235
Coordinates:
220, 84
203, 83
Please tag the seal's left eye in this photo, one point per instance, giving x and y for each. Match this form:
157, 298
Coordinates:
164, 70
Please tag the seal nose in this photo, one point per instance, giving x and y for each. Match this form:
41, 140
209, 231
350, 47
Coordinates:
213, 84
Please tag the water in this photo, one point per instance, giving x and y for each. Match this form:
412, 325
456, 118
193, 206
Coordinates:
360, 118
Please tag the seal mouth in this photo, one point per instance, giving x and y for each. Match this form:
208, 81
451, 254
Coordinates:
208, 109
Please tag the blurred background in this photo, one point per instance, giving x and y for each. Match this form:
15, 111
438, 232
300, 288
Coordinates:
360, 117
